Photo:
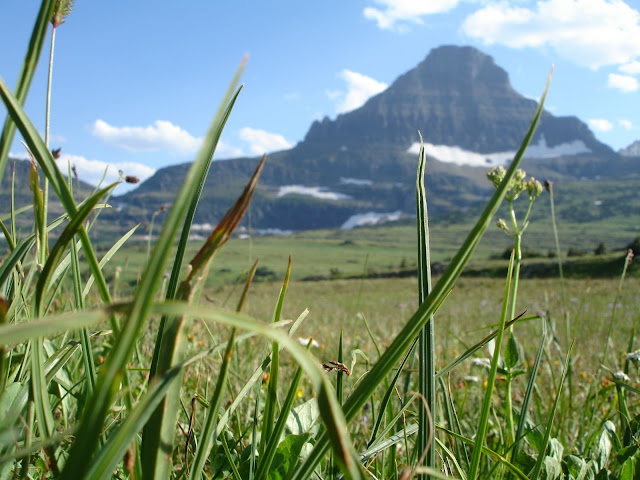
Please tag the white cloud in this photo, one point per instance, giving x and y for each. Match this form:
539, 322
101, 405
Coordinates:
162, 135
225, 150
19, 156
591, 33
600, 124
626, 124
360, 88
261, 142
632, 68
623, 82
396, 14
91, 171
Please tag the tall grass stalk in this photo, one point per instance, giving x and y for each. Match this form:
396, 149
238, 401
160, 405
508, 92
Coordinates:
568, 334
426, 342
481, 431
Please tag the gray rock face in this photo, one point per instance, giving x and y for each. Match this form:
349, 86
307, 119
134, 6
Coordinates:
632, 150
457, 96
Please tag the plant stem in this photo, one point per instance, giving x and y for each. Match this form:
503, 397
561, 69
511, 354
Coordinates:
513, 294
565, 310
45, 184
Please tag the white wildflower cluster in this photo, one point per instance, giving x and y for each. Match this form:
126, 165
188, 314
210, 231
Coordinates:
518, 184
481, 362
634, 356
620, 375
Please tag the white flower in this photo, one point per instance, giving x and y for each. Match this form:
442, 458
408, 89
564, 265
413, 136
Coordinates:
620, 375
634, 356
471, 378
481, 362
305, 341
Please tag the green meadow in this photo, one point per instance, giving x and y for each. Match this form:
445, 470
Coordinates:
499, 344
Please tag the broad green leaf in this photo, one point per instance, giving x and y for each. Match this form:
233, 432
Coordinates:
511, 352
303, 417
160, 430
8, 396
603, 449
577, 468
551, 469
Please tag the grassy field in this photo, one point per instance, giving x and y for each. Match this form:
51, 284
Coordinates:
163, 360
471, 311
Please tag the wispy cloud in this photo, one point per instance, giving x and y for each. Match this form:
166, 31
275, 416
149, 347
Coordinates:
591, 33
92, 171
625, 83
600, 124
626, 124
632, 68
397, 15
261, 142
162, 135
360, 88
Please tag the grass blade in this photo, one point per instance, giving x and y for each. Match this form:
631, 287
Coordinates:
66, 236
111, 454
161, 428
426, 341
271, 402
527, 396
330, 410
535, 473
176, 270
270, 450
107, 256
486, 402
26, 75
115, 364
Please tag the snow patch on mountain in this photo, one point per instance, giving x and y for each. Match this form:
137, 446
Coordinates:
459, 156
370, 218
355, 181
321, 193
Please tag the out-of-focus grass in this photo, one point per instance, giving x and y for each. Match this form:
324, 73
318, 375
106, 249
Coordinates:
470, 310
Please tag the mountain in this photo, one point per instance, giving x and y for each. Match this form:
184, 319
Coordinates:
362, 164
632, 150
16, 180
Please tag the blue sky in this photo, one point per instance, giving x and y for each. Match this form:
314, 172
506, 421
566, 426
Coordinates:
136, 84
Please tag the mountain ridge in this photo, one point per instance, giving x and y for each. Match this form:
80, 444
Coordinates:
361, 162
364, 162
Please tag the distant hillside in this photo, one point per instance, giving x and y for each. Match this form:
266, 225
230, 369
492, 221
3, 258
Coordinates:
22, 194
361, 166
